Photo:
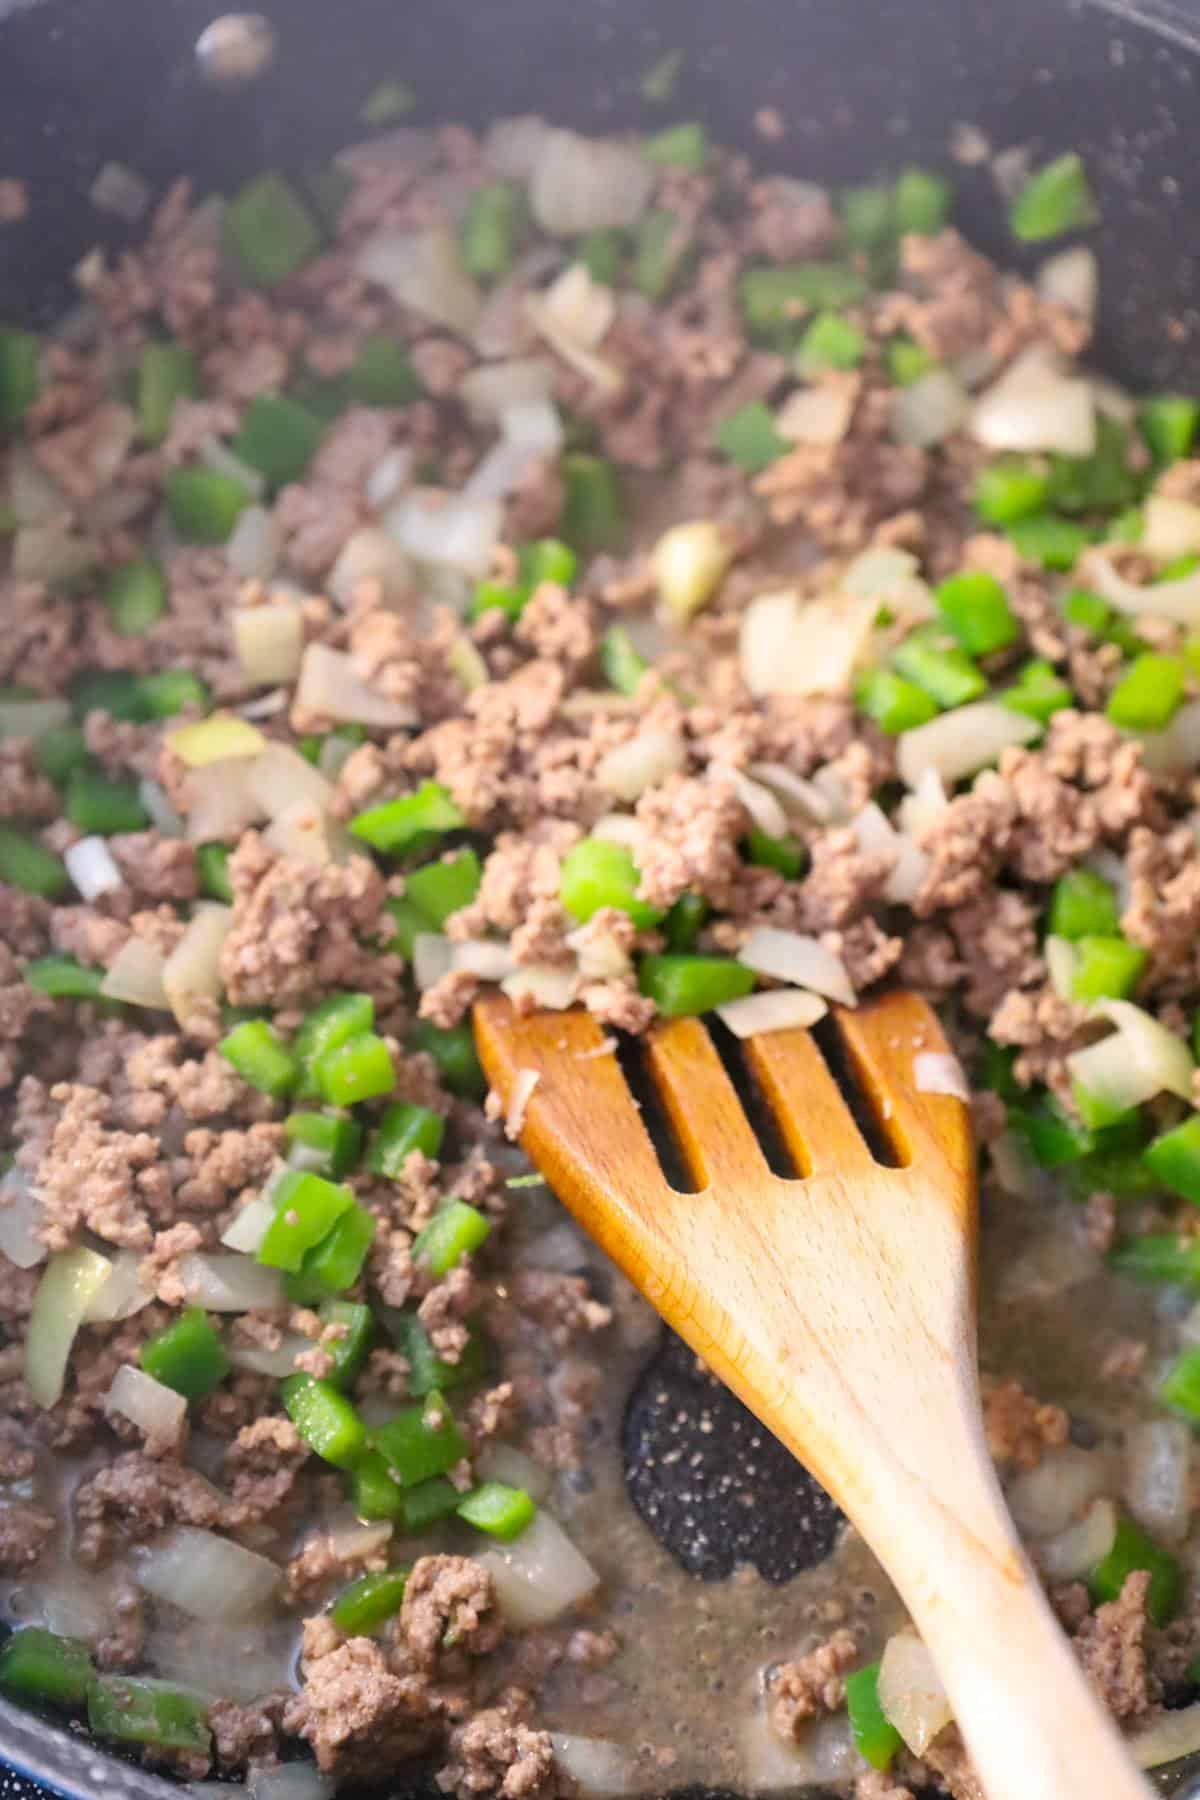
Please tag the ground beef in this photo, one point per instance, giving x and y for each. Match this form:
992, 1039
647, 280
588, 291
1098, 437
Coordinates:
495, 1752
359, 1716
24, 1533
1111, 1644
109, 1180
262, 1463
1019, 1428
246, 1734
449, 1600
814, 1684
123, 1644
135, 1496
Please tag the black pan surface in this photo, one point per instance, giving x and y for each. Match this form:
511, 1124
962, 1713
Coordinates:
863, 86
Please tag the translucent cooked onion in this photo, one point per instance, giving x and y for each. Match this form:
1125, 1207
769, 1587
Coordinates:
29, 718
216, 455
162, 814
34, 498
1170, 527
330, 685
1071, 279
157, 1411
1043, 1501
803, 961
268, 642
760, 803
1142, 1058
492, 389
911, 1692
1059, 953
1178, 600
253, 546
783, 1009
1036, 406
787, 647
423, 270
121, 1294
578, 307
289, 1781
51, 553
621, 828
20, 1221
218, 802
579, 184
281, 778
222, 1663
372, 554
191, 974
432, 958
601, 954
1079, 1546
1177, 746
466, 662
518, 1103
959, 743
247, 1229
279, 1362
823, 1757
225, 1281
1158, 1477
568, 329
542, 985
799, 798
877, 836
221, 737
930, 410
935, 1072
1171, 1736
487, 958
135, 975
308, 835
642, 762
504, 1462
540, 1575
68, 1283
817, 415
445, 529
93, 868
689, 563
531, 434
391, 473
599, 1769
206, 1576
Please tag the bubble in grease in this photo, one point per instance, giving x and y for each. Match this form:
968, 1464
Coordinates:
235, 49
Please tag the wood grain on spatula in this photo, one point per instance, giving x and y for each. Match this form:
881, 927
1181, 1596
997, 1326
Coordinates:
840, 1307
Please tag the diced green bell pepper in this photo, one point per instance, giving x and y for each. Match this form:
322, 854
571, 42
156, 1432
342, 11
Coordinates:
455, 1230
41, 1665
325, 1420
153, 1714
420, 1441
502, 1511
307, 1207
187, 1356
369, 1602
682, 986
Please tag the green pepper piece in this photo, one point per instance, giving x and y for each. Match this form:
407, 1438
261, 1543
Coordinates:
875, 1737
426, 1503
404, 1128
103, 804
659, 253
260, 1056
396, 825
502, 1511
1044, 538
593, 513
63, 978
1148, 693
1106, 968
166, 373
492, 228
334, 1264
382, 375
279, 437
356, 1324
421, 1441
1082, 905
1168, 424
622, 662
58, 750
921, 203
270, 230
679, 146
1011, 489
307, 1207
375, 1492
204, 504
41, 1665
1180, 1387
331, 1022
443, 888
26, 864
682, 986
602, 254
369, 1602
895, 704
455, 1231
453, 1050
187, 1356
907, 361
685, 921
596, 873
1131, 1550
1054, 1137
1056, 198
427, 1371
940, 666
830, 342
212, 872
171, 690
387, 103
774, 297
337, 1142
409, 922
20, 360
749, 438
359, 1069
1172, 1159
325, 1420
975, 608
786, 855
147, 1712
113, 691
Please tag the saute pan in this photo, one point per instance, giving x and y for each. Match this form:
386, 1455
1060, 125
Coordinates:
861, 86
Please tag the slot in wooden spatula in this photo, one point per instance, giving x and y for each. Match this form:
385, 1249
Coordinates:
840, 1306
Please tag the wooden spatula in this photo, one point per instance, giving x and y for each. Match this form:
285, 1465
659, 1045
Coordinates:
840, 1307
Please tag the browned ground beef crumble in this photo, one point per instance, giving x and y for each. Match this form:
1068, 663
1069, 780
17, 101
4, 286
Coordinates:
142, 1134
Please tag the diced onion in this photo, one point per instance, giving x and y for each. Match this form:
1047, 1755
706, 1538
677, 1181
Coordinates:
289, 1781
279, 1362
157, 1411
803, 961
1079, 1546
518, 1102
330, 685
1177, 746
268, 642
540, 1575
1142, 1058
252, 547
135, 975
162, 814
1158, 1477
642, 762
21, 1218
215, 739
620, 828
220, 457
935, 1072
799, 798
601, 954
578, 307
958, 743
247, 1229
223, 1664
310, 836
817, 415
391, 473
1036, 406
759, 802
877, 836
1170, 527
281, 778
93, 868
930, 410
787, 647
580, 184
543, 984
689, 563
493, 389
70, 1279
530, 434
192, 972
120, 190
51, 553
423, 270
1171, 1736
485, 957
1013, 1168
1043, 1501
504, 1462
782, 1009
29, 718
446, 529
911, 1692
599, 1769
121, 1294
1060, 965
34, 498
224, 1281
823, 1757
1178, 600
927, 802
560, 324
512, 146
466, 662
218, 800
372, 554
1071, 279
206, 1576
432, 958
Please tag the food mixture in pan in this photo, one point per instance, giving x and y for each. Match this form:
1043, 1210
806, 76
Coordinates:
607, 571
